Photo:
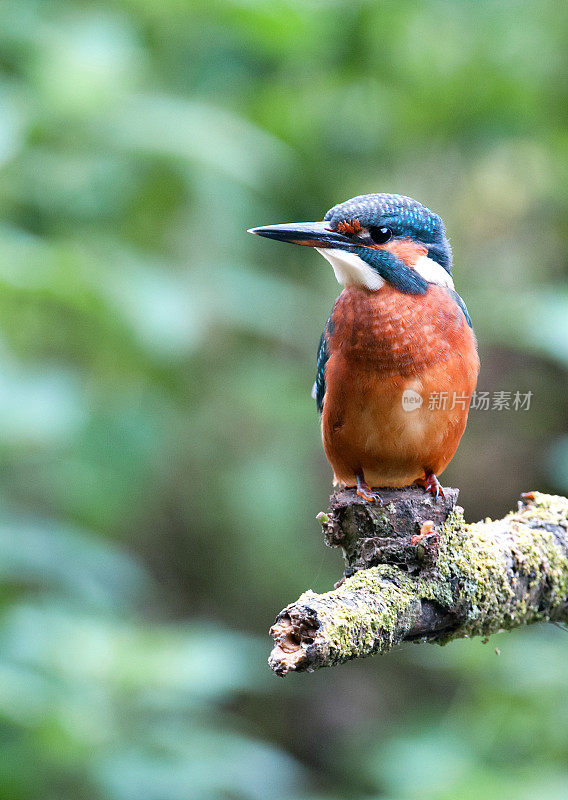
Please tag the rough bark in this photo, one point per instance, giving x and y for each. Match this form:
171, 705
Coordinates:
416, 571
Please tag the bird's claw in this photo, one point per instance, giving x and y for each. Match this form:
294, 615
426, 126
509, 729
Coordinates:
434, 487
366, 493
370, 497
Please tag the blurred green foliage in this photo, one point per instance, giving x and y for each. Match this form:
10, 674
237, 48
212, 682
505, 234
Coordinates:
160, 454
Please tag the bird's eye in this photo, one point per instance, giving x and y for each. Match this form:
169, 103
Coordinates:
380, 234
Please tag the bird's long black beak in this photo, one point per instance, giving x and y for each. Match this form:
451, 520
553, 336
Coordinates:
312, 234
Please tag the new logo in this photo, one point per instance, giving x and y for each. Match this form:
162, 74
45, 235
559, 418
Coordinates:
411, 400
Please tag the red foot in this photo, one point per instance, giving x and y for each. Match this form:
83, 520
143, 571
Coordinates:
433, 485
365, 491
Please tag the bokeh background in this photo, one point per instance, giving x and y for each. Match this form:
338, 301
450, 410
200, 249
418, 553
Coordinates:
161, 466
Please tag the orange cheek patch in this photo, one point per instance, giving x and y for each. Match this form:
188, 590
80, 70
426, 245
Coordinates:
408, 251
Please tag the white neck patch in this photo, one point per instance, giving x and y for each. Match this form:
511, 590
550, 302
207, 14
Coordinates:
350, 270
433, 272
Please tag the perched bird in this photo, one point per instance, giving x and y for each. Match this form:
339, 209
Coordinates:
397, 362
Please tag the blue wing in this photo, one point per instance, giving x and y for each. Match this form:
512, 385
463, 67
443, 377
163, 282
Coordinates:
461, 304
323, 355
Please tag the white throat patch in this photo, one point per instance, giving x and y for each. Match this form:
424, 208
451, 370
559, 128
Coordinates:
433, 272
350, 270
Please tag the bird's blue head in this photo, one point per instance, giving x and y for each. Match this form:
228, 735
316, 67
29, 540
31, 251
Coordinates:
377, 238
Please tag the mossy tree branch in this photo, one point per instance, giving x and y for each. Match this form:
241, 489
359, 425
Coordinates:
416, 571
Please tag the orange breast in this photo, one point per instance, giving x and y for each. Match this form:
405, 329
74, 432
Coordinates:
385, 344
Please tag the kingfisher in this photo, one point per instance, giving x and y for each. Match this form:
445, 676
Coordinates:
397, 362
